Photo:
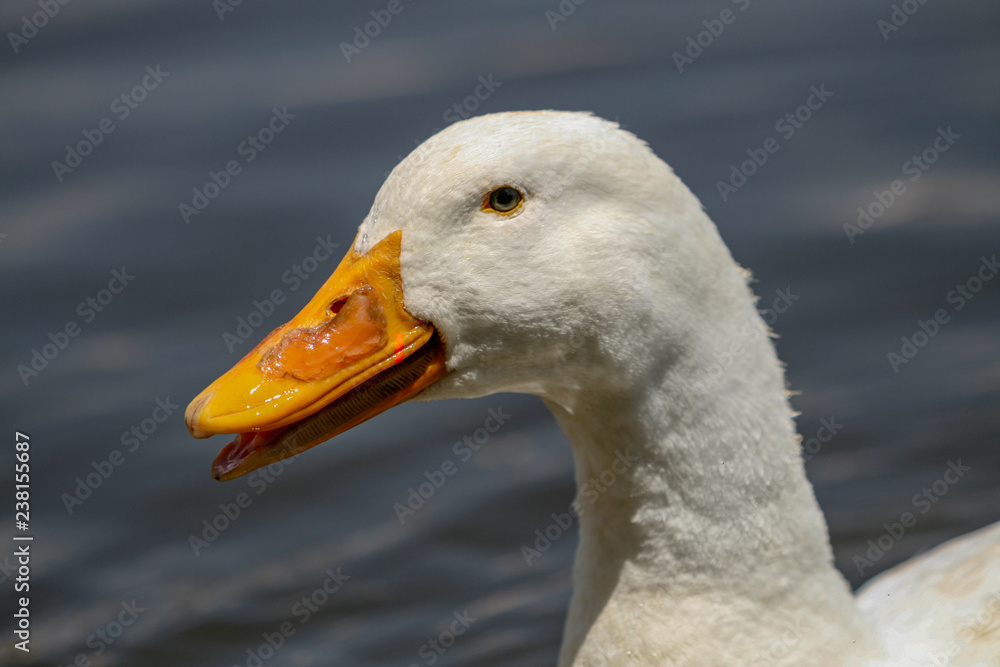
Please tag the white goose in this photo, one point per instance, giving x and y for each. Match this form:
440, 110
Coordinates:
553, 253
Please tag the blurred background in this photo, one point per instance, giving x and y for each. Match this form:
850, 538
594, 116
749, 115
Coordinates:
133, 272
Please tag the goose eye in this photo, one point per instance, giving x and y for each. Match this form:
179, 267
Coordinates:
503, 200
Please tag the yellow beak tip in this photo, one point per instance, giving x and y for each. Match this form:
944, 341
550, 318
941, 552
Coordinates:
192, 416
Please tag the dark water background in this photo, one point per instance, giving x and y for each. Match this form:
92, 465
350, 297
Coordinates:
162, 336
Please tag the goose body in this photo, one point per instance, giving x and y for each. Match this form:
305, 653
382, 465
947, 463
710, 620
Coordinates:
553, 253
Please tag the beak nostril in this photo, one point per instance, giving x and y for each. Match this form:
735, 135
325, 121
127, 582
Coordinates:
337, 305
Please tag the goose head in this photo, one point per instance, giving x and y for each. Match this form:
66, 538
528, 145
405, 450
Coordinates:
549, 253
553, 253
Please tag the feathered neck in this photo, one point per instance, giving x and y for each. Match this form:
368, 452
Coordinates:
701, 541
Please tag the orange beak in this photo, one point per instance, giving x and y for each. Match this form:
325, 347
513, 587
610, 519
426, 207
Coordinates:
351, 353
